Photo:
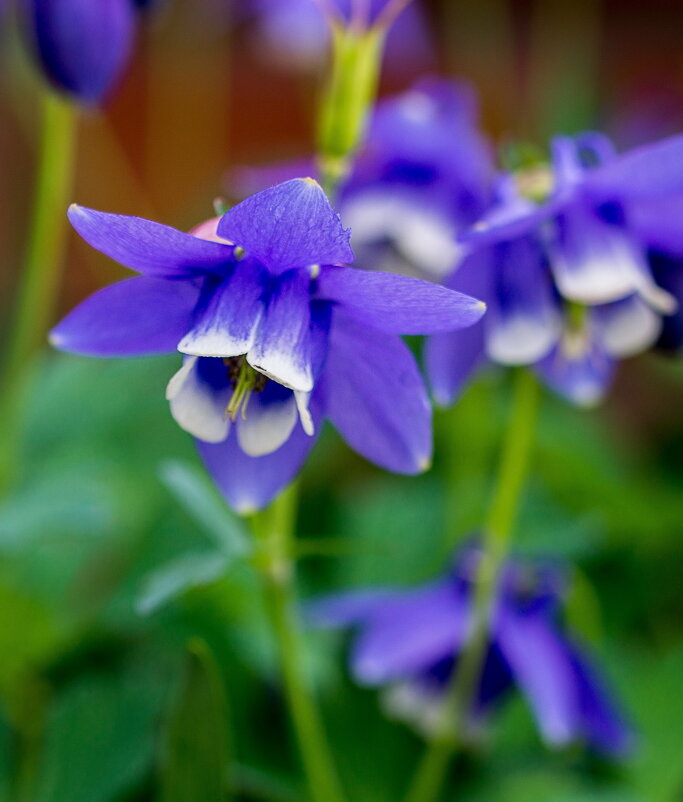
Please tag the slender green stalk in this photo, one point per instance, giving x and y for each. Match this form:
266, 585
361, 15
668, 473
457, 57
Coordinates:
274, 529
498, 527
39, 280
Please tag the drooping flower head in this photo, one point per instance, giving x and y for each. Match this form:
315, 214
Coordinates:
276, 334
409, 642
563, 259
83, 46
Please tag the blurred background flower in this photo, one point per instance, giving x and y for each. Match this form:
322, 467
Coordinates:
411, 639
562, 258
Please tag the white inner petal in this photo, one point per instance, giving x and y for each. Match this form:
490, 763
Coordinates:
266, 426
629, 327
609, 268
196, 407
521, 339
425, 239
429, 243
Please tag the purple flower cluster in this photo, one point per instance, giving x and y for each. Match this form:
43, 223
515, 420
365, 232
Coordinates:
410, 640
277, 334
580, 260
580, 264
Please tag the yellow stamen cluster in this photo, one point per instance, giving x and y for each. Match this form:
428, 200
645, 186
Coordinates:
244, 380
535, 182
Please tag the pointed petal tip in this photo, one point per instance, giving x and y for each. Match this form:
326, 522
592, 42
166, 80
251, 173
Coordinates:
442, 397
74, 212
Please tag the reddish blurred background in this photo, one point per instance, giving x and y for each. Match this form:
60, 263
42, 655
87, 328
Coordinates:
200, 98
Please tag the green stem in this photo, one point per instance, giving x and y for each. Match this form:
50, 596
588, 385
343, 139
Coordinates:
274, 529
40, 277
498, 527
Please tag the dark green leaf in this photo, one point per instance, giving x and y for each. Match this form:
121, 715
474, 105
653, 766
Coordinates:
196, 754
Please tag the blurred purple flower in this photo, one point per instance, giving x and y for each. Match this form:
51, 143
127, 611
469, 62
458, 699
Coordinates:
296, 33
424, 174
409, 640
563, 260
276, 335
83, 45
667, 269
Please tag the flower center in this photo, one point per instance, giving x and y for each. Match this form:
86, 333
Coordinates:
535, 182
244, 381
575, 340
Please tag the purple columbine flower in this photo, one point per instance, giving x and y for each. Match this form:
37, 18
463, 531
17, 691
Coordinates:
83, 45
296, 33
276, 334
563, 259
408, 641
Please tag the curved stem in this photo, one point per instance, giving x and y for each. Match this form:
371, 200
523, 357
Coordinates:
498, 527
274, 529
40, 277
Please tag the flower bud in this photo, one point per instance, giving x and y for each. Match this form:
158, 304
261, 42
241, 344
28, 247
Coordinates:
82, 45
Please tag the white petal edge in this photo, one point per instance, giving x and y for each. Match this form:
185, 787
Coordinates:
302, 401
195, 408
217, 342
278, 366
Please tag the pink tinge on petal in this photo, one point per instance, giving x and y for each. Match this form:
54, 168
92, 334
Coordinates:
208, 230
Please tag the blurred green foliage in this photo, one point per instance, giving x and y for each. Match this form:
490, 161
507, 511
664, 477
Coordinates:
117, 551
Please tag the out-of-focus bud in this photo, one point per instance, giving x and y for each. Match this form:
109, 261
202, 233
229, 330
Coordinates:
357, 45
355, 71
82, 45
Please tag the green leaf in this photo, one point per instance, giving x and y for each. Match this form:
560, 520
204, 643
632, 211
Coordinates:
397, 527
652, 683
199, 498
99, 742
192, 570
31, 632
582, 608
195, 763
